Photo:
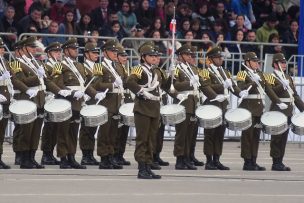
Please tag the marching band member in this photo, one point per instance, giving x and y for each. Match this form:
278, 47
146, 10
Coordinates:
113, 79
123, 131
186, 81
86, 134
254, 102
284, 98
216, 82
6, 93
144, 83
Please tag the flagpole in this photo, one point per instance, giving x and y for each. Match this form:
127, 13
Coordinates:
173, 31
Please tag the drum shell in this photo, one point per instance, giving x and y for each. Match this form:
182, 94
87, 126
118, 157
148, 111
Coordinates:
238, 125
94, 120
295, 128
1, 112
274, 130
127, 115
23, 118
209, 123
174, 117
58, 116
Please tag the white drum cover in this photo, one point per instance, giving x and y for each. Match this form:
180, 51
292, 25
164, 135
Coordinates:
209, 116
58, 110
94, 115
172, 114
23, 111
297, 123
126, 112
238, 119
274, 122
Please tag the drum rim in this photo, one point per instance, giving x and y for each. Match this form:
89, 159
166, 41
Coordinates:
27, 107
220, 111
93, 105
278, 113
293, 119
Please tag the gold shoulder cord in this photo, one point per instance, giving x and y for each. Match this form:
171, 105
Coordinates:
15, 66
204, 74
137, 70
241, 76
97, 69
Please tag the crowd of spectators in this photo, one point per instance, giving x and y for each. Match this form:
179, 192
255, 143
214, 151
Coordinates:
206, 20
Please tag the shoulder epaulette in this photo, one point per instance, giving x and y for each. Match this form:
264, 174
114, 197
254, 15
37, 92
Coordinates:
137, 70
204, 73
269, 78
15, 66
97, 69
241, 76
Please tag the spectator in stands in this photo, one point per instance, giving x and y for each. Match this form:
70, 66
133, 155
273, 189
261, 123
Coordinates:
251, 37
239, 25
291, 37
195, 26
45, 22
188, 37
115, 31
283, 21
45, 6
160, 10
95, 39
267, 29
19, 7
112, 16
225, 52
262, 9
182, 12
237, 50
204, 15
71, 5
184, 27
58, 11
126, 17
220, 12
144, 12
100, 14
33, 19
220, 27
84, 27
68, 26
273, 49
8, 20
159, 43
158, 25
169, 14
203, 47
243, 7
53, 29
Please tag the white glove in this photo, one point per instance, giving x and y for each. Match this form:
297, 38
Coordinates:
40, 72
31, 93
78, 94
65, 93
182, 97
5, 75
100, 96
118, 82
194, 82
244, 93
2, 98
256, 77
282, 106
285, 83
150, 96
227, 83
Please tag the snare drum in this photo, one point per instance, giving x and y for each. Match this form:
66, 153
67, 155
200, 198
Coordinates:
297, 123
209, 116
127, 115
58, 110
172, 114
23, 111
94, 115
274, 122
238, 119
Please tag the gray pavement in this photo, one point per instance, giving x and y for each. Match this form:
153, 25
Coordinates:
94, 185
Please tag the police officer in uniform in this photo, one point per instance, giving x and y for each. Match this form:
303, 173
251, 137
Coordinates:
216, 82
144, 84
86, 135
284, 98
6, 93
254, 102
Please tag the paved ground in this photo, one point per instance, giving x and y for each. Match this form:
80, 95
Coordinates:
94, 185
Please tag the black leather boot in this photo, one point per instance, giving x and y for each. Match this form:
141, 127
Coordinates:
74, 163
105, 163
155, 166
153, 175
209, 163
257, 167
195, 161
123, 160
64, 163
86, 159
114, 162
48, 158
189, 164
3, 165
142, 171
35, 163
248, 165
18, 156
160, 162
218, 164
26, 163
180, 164
285, 167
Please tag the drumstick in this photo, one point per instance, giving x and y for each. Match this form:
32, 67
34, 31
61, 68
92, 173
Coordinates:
241, 99
183, 99
212, 100
103, 98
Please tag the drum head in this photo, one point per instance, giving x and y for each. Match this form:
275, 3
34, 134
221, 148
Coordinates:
237, 115
22, 107
171, 109
207, 112
298, 119
127, 109
57, 105
273, 118
93, 110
